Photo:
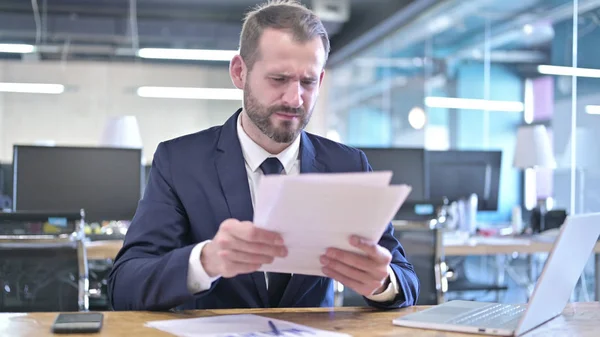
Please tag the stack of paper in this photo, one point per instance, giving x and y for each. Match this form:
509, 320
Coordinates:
237, 326
316, 211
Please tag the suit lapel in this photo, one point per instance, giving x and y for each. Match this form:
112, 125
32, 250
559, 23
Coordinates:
231, 170
308, 164
233, 178
308, 157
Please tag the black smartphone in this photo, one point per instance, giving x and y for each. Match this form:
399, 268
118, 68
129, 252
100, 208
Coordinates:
78, 322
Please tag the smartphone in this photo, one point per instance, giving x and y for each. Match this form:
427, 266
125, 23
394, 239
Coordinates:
78, 322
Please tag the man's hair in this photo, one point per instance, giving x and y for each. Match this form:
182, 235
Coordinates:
288, 15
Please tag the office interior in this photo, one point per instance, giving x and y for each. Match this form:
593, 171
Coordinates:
486, 108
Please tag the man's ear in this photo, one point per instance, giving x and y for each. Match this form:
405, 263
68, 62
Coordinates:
321, 78
237, 71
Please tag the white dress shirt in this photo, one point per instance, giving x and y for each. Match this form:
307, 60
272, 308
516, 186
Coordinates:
197, 279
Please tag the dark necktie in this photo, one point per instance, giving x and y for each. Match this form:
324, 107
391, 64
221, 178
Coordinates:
277, 281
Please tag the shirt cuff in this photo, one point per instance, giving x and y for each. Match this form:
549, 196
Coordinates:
390, 293
197, 278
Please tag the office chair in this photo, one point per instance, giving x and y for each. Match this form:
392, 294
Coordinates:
41, 276
550, 220
42, 272
424, 250
5, 202
459, 284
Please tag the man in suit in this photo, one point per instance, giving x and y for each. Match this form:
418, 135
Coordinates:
191, 243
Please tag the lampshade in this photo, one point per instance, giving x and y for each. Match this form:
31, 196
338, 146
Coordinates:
587, 157
121, 131
533, 148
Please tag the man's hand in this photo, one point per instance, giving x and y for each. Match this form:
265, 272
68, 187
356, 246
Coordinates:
367, 275
240, 248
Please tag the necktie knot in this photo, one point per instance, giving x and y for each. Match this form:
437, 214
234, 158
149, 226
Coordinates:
271, 165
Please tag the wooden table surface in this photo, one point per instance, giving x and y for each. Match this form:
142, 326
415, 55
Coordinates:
578, 319
106, 249
500, 246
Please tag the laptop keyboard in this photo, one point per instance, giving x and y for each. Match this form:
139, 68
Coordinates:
498, 315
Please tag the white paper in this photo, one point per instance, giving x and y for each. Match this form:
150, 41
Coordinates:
317, 211
269, 187
244, 325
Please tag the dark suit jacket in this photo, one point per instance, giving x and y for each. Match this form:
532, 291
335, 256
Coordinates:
196, 182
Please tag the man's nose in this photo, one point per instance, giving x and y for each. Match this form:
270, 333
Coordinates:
293, 95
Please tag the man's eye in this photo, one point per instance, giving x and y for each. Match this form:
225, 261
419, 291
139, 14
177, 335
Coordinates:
278, 79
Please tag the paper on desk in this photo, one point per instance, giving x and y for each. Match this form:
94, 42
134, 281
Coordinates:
245, 325
317, 211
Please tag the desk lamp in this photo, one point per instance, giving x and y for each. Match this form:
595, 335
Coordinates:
121, 131
533, 151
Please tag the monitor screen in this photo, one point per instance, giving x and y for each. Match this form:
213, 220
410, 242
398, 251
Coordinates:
105, 182
457, 174
5, 186
6, 175
408, 167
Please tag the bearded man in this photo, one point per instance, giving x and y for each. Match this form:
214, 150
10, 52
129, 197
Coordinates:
192, 243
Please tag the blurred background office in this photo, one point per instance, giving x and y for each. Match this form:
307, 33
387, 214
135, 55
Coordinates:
487, 108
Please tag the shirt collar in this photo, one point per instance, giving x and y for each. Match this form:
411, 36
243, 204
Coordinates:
254, 154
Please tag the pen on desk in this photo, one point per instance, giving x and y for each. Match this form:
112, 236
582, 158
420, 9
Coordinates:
274, 328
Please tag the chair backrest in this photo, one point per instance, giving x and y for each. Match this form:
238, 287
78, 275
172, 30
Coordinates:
551, 220
43, 263
5, 202
424, 250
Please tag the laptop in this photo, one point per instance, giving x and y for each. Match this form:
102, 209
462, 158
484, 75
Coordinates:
565, 264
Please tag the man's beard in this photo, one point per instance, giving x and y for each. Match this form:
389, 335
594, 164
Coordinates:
260, 115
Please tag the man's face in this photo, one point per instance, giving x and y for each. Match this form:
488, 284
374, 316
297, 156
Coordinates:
281, 89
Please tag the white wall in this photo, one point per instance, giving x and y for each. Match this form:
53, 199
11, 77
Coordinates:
97, 90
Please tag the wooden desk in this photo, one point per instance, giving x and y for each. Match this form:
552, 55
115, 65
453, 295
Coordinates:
99, 250
499, 246
496, 246
475, 246
578, 319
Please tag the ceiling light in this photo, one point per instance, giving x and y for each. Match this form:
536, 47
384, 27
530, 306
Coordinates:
568, 71
593, 109
191, 93
528, 29
417, 118
187, 54
16, 48
473, 104
32, 88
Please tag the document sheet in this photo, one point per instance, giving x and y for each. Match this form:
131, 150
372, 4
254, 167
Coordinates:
320, 210
243, 325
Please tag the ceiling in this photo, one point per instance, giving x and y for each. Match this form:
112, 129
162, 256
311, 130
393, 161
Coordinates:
114, 29
518, 34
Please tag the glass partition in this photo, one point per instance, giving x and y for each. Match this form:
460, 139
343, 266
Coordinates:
467, 75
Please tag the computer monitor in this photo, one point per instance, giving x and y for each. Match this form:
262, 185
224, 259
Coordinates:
5, 186
457, 174
6, 176
105, 182
39, 223
408, 166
